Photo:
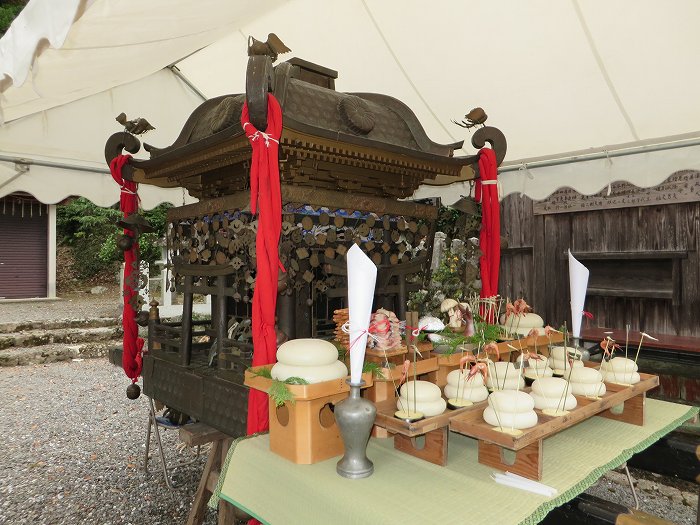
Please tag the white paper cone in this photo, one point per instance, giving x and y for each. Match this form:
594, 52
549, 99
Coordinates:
578, 283
362, 277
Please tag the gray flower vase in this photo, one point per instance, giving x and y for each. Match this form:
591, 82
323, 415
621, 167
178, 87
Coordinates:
355, 417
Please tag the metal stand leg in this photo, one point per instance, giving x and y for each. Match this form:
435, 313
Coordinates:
634, 492
153, 421
153, 427
148, 442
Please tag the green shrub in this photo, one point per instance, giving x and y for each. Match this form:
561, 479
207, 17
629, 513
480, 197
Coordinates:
92, 233
8, 12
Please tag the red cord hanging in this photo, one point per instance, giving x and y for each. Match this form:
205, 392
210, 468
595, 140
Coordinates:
266, 199
132, 359
490, 235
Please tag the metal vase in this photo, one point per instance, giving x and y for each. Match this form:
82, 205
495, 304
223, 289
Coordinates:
355, 417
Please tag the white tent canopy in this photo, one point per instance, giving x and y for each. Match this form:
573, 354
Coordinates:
599, 79
59, 152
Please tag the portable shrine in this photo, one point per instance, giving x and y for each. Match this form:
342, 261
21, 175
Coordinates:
346, 161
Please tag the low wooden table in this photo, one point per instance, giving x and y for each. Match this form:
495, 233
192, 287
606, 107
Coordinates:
528, 446
200, 434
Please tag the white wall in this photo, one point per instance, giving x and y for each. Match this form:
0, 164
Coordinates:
51, 262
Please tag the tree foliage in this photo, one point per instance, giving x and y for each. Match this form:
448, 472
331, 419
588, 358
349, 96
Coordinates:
8, 11
451, 279
92, 233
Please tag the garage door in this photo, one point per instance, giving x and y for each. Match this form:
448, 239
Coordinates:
23, 248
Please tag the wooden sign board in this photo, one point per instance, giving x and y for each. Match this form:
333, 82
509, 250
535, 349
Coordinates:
683, 186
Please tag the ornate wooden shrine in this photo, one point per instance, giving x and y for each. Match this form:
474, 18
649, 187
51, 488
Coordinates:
345, 160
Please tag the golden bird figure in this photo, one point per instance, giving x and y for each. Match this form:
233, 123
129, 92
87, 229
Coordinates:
272, 47
137, 126
475, 117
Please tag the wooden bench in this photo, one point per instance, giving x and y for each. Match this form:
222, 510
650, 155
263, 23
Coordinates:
676, 343
675, 359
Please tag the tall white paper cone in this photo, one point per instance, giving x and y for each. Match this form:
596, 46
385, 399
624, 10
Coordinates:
362, 277
578, 283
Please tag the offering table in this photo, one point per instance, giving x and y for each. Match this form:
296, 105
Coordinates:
458, 492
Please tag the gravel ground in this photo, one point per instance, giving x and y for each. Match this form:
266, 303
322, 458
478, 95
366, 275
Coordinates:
72, 446
672, 499
73, 305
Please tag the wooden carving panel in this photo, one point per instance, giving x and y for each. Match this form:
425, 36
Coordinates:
683, 186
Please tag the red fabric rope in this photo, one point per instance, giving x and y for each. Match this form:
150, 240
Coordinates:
490, 235
132, 360
266, 198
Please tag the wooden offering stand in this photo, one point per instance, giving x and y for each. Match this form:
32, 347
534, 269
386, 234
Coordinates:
528, 445
384, 387
305, 431
407, 435
395, 356
446, 364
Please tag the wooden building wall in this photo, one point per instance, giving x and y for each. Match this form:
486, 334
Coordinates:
644, 260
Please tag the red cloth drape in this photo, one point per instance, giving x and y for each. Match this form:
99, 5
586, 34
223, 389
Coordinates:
266, 198
128, 203
490, 235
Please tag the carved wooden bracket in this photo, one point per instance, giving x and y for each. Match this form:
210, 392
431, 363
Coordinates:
115, 145
495, 138
259, 82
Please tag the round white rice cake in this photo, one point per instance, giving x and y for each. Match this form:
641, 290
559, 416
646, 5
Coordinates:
307, 352
549, 387
619, 364
536, 373
588, 389
511, 383
428, 408
557, 352
471, 393
455, 378
519, 421
424, 391
629, 378
511, 401
312, 374
562, 365
584, 375
542, 402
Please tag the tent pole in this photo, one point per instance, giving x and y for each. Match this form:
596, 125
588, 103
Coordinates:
176, 71
607, 153
49, 164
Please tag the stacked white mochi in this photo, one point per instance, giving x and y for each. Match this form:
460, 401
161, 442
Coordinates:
504, 376
585, 381
558, 358
522, 324
536, 368
620, 370
510, 409
460, 386
313, 360
428, 398
548, 394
